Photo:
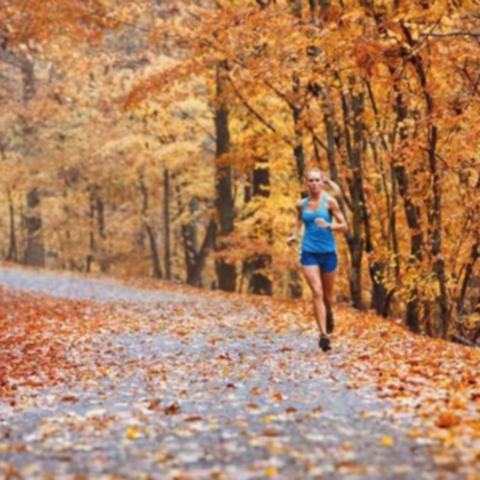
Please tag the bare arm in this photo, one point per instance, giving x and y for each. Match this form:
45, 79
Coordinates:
340, 224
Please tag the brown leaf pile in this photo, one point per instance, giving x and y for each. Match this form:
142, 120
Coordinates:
37, 333
436, 380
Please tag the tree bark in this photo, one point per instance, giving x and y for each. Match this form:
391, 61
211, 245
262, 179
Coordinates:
12, 254
354, 143
224, 202
296, 7
413, 217
92, 244
474, 214
97, 231
103, 255
34, 254
295, 284
189, 233
381, 298
298, 150
435, 213
152, 238
411, 211
166, 218
195, 277
259, 282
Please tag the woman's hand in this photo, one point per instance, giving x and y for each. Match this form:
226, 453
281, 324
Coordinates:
291, 240
320, 222
337, 191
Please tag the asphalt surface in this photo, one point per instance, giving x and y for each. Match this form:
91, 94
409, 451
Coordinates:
221, 400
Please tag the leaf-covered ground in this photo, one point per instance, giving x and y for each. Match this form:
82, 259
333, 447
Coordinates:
104, 380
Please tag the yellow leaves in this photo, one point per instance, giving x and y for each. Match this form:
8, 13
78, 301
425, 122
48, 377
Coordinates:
458, 403
269, 418
14, 448
271, 472
132, 433
388, 441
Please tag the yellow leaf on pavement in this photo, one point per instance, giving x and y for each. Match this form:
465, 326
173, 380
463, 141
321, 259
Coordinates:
388, 441
132, 433
271, 472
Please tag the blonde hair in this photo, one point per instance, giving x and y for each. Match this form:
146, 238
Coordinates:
331, 186
311, 170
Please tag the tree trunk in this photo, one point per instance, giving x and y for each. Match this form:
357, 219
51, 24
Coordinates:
189, 236
380, 297
188, 231
435, 214
259, 282
195, 277
352, 119
92, 243
474, 214
296, 7
298, 150
34, 254
474, 256
152, 238
166, 217
411, 211
413, 220
103, 255
12, 254
97, 219
295, 284
224, 202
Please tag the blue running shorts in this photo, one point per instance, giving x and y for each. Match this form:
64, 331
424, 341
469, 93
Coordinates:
327, 262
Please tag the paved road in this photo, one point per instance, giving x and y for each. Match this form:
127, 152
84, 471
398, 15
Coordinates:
220, 400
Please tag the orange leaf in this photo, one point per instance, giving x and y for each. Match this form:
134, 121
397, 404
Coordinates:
447, 420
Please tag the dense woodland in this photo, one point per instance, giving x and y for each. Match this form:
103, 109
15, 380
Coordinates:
170, 139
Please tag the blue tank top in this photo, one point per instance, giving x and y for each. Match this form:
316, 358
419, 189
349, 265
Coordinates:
317, 239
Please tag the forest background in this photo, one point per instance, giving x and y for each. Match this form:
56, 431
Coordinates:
171, 138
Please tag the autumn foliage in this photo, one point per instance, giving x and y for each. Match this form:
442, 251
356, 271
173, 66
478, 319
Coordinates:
171, 140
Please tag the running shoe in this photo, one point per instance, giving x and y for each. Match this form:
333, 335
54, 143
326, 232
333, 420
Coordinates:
324, 343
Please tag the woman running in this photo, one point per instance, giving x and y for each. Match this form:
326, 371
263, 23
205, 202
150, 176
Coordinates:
318, 253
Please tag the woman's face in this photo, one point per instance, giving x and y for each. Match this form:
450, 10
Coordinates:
314, 181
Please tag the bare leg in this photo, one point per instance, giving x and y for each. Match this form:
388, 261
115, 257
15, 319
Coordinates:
328, 284
312, 275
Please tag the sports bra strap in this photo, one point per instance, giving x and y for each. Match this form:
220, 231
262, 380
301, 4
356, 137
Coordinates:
323, 201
